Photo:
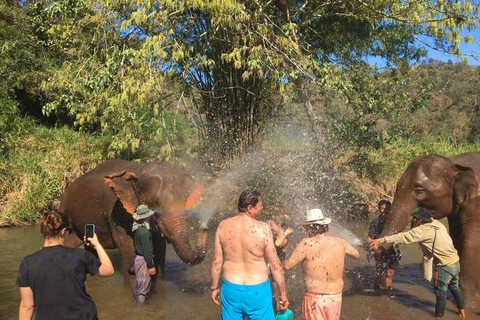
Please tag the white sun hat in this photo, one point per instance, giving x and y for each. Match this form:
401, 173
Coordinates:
315, 216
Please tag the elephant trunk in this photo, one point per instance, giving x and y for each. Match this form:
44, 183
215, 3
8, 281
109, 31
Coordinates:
174, 227
399, 216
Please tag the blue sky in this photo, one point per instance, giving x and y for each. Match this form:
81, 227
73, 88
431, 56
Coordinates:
467, 49
441, 56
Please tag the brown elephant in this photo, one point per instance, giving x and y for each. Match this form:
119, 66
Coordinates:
108, 195
449, 187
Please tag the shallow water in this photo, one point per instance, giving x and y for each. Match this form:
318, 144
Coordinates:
185, 291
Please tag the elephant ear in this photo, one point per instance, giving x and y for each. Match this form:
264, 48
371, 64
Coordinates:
466, 184
122, 184
194, 196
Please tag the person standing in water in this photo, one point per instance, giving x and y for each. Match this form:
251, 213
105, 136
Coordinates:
322, 258
142, 241
433, 239
241, 245
387, 260
52, 280
280, 237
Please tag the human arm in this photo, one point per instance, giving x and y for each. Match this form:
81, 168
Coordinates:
276, 268
27, 304
216, 269
282, 240
350, 251
297, 256
106, 268
414, 235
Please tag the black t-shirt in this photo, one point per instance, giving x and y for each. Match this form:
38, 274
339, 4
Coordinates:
376, 227
57, 276
374, 232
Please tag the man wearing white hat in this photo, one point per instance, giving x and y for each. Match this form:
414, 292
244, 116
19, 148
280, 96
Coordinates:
322, 259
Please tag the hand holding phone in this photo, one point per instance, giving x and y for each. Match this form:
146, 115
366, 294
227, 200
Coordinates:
89, 232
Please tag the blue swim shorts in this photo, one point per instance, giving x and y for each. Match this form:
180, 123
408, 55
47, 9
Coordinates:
239, 301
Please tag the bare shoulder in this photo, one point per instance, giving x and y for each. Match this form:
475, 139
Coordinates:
340, 241
224, 224
305, 242
262, 224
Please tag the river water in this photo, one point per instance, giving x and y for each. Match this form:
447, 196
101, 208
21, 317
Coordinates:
185, 291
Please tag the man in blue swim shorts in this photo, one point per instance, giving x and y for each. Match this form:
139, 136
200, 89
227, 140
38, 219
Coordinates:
241, 245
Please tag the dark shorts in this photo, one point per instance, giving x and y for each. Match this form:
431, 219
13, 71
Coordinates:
387, 260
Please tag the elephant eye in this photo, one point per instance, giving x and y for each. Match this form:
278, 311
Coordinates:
418, 191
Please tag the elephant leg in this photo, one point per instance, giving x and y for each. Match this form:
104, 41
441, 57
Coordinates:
124, 243
470, 268
159, 251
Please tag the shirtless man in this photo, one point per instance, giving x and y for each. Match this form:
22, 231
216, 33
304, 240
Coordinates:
322, 259
241, 245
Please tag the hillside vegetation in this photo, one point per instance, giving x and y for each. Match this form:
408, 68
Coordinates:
38, 161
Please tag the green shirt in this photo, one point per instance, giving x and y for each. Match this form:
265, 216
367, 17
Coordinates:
143, 245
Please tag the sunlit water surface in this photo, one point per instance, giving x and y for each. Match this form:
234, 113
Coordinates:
185, 291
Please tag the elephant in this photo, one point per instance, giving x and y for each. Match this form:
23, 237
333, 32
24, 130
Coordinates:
448, 187
108, 195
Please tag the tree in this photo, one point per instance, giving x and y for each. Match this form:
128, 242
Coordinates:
24, 60
107, 84
236, 57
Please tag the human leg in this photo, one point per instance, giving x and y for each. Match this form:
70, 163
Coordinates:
444, 278
454, 288
378, 280
392, 263
379, 270
389, 277
141, 286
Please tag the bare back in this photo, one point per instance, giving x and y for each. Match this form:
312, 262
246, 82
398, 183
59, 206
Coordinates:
244, 242
322, 259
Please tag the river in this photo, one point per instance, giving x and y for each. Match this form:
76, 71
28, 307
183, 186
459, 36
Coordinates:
185, 291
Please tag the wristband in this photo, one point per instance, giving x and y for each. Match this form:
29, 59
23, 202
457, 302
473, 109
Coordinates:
214, 288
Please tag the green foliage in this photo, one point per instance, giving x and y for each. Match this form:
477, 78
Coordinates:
107, 83
23, 60
36, 163
236, 59
395, 157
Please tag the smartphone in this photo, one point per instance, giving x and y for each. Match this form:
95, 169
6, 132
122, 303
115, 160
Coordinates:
89, 231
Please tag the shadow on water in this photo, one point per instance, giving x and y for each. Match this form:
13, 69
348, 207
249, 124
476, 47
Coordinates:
362, 278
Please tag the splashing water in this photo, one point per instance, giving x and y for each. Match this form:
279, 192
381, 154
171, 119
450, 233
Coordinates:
336, 230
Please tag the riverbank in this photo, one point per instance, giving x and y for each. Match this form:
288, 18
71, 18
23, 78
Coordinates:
37, 163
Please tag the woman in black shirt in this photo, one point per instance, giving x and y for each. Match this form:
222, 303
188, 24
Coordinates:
52, 280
